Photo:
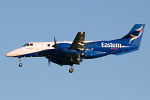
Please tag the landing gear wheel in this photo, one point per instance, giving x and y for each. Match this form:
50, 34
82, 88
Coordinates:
78, 59
20, 65
71, 70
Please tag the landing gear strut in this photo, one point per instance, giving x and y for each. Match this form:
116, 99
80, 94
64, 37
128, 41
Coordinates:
20, 64
71, 69
78, 58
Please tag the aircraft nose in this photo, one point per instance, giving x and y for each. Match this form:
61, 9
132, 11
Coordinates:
7, 55
10, 54
13, 53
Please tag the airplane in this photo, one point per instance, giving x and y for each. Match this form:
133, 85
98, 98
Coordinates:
70, 53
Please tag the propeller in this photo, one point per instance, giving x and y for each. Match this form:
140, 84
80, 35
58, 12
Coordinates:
55, 46
49, 61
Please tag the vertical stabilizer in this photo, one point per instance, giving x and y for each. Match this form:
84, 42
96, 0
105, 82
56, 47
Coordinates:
135, 35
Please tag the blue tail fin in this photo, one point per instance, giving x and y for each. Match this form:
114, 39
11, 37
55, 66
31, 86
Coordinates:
135, 35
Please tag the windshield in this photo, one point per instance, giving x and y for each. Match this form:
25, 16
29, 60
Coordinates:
24, 45
28, 44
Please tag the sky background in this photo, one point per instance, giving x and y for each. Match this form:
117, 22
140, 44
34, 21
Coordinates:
124, 77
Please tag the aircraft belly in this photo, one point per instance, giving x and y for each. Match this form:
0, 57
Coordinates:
94, 54
63, 61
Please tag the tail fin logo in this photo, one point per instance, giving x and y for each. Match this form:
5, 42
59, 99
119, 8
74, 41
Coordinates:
133, 37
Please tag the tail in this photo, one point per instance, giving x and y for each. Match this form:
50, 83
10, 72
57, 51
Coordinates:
135, 35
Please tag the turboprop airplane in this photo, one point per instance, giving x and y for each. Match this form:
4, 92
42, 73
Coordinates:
69, 53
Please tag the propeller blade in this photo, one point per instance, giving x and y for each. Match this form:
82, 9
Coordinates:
49, 62
54, 40
55, 45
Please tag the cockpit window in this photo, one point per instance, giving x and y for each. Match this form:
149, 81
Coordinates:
28, 44
24, 45
31, 44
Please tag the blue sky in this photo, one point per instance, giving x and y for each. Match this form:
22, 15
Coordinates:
124, 77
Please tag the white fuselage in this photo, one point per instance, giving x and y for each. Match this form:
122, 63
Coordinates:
32, 47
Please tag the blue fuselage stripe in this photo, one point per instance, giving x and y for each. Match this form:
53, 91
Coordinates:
92, 49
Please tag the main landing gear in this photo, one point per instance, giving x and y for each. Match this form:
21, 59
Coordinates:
71, 69
78, 58
20, 64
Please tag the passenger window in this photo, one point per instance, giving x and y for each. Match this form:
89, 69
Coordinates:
87, 44
91, 44
96, 44
48, 45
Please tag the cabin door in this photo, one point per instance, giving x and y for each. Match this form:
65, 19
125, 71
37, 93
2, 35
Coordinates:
39, 49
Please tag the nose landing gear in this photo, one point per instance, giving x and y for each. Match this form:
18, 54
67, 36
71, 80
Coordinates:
20, 64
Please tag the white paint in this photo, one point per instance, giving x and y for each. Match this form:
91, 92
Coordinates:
135, 37
112, 45
37, 46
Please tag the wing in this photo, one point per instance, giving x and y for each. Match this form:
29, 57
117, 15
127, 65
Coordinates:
78, 43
